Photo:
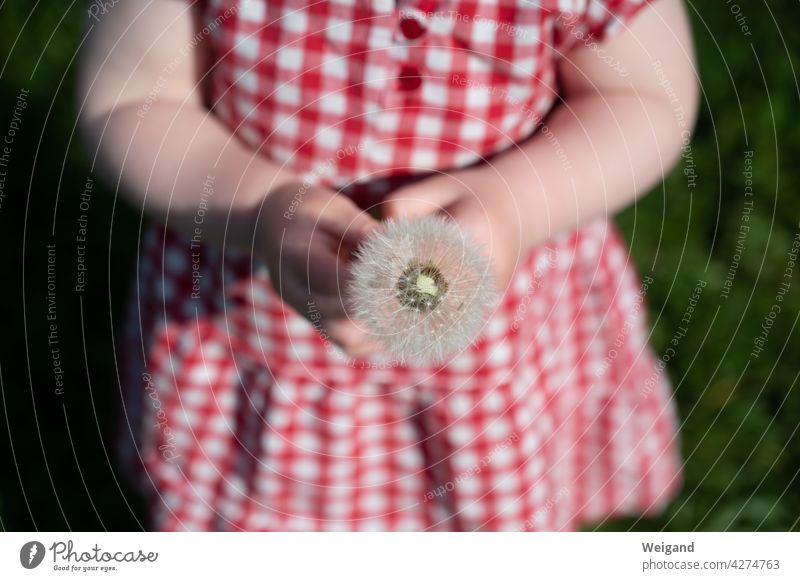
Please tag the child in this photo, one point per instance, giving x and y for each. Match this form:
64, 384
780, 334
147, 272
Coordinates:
262, 137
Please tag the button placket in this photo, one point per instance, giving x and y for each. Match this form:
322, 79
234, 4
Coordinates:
411, 27
378, 85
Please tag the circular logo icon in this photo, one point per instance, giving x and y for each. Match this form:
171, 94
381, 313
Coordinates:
31, 554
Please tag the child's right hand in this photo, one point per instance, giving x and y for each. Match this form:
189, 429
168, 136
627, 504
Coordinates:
307, 236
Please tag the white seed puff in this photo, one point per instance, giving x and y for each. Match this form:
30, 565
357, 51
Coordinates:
421, 288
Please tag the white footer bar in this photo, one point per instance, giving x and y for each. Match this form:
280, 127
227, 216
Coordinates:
401, 556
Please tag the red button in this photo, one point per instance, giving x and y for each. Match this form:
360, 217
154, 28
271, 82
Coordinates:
411, 28
409, 78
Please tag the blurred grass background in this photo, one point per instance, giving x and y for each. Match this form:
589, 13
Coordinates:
740, 413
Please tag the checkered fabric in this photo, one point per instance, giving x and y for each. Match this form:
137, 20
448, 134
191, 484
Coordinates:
242, 418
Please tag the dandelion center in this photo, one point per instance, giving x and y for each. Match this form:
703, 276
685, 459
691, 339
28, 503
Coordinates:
421, 286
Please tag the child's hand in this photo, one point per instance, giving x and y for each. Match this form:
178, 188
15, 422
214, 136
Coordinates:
306, 236
479, 201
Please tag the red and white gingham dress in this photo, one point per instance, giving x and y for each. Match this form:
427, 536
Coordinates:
240, 417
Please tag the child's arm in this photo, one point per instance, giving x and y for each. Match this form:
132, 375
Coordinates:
621, 134
142, 116
618, 134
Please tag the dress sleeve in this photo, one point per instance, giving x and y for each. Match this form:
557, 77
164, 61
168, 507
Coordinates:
592, 21
606, 18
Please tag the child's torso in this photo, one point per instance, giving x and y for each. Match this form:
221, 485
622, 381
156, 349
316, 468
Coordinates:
354, 91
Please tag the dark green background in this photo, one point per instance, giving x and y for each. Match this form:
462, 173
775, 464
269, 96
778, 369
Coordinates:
740, 414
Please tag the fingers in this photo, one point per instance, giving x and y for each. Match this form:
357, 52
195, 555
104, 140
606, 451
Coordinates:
351, 338
471, 217
500, 243
333, 321
345, 221
407, 205
329, 274
329, 317
420, 199
309, 261
359, 227
319, 247
326, 267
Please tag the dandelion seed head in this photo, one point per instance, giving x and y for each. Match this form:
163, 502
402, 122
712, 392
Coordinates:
422, 288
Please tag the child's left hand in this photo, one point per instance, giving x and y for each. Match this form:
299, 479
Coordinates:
480, 202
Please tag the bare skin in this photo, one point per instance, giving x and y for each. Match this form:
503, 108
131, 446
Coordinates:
620, 135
